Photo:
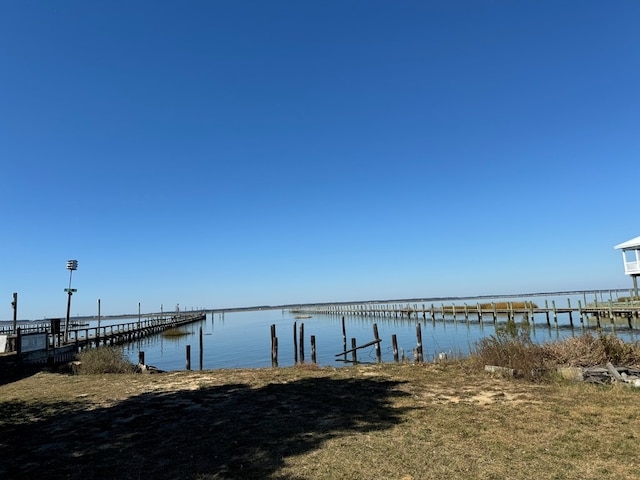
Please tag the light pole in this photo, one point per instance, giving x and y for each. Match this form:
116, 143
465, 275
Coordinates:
14, 305
71, 266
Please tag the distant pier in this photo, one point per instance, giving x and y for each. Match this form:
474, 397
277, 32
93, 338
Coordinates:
618, 312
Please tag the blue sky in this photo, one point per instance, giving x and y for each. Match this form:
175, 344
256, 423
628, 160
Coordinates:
220, 154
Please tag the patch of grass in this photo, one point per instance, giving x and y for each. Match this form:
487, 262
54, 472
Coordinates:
410, 422
589, 350
103, 360
506, 305
628, 299
174, 332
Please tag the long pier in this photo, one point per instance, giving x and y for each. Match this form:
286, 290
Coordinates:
47, 344
128, 332
614, 312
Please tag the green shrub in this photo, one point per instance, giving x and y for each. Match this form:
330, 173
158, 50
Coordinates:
103, 360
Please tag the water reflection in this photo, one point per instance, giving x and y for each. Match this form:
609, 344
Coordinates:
242, 339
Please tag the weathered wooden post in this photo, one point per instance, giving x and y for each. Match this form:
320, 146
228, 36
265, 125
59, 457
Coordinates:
295, 343
201, 349
354, 347
98, 329
313, 349
546, 311
581, 313
141, 358
611, 316
274, 346
344, 338
394, 343
301, 342
377, 339
420, 356
533, 314
570, 312
188, 357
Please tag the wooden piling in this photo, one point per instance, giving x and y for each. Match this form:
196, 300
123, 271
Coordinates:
201, 349
301, 342
274, 346
580, 312
295, 343
354, 347
570, 312
140, 358
377, 338
188, 357
344, 338
420, 357
394, 343
313, 349
546, 308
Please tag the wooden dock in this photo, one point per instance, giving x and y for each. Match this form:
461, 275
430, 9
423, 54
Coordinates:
52, 347
128, 332
617, 312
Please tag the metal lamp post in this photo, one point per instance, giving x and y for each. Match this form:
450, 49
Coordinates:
71, 266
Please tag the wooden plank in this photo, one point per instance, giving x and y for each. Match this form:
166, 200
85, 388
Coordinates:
357, 348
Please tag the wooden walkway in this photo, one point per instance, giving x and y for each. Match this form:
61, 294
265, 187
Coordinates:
614, 312
58, 350
128, 332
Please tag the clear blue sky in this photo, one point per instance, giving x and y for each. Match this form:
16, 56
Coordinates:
220, 154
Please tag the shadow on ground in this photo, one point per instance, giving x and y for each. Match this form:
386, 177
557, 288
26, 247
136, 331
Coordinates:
222, 432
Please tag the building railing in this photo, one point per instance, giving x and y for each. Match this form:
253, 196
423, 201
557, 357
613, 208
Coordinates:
632, 268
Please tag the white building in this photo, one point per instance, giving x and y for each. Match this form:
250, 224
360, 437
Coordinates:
631, 258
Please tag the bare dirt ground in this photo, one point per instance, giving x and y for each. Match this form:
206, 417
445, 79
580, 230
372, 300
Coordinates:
382, 421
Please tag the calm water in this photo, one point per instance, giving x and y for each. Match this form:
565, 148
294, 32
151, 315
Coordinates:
242, 339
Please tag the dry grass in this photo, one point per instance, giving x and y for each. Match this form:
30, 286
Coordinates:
511, 347
383, 421
589, 350
174, 332
506, 305
103, 360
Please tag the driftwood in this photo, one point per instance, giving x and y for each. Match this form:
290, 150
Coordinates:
602, 375
357, 348
624, 375
614, 372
